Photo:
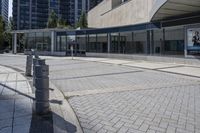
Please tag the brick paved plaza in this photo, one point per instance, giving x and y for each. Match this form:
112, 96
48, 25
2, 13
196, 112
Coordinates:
120, 97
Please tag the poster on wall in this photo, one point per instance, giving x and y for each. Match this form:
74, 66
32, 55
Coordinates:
193, 37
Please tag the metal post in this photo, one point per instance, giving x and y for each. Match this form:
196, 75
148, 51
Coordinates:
42, 87
52, 42
15, 44
35, 62
72, 51
29, 62
34, 52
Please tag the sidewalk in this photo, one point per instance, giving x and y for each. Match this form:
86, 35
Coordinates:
15, 102
16, 116
174, 68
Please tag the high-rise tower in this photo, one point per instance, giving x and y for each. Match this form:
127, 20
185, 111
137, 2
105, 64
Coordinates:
4, 10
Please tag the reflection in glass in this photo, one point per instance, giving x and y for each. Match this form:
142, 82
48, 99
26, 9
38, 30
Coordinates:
102, 43
91, 45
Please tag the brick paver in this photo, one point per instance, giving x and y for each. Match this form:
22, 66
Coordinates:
155, 102
170, 109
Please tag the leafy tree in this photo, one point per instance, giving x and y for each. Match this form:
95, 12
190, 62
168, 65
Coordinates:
62, 23
52, 20
11, 24
2, 30
7, 34
82, 23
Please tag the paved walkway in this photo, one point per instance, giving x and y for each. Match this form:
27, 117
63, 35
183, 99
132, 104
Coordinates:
15, 102
130, 96
124, 96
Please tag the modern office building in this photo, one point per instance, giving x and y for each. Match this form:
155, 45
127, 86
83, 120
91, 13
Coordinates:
4, 10
144, 29
93, 3
33, 14
30, 14
76, 9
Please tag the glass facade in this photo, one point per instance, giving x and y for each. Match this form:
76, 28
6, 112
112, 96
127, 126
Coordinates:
92, 43
140, 42
30, 14
33, 14
61, 45
128, 45
38, 41
81, 42
167, 41
174, 41
102, 43
93, 3
4, 10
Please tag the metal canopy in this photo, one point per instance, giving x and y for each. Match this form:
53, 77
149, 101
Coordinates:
137, 27
166, 9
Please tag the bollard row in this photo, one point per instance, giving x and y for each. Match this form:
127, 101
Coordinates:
29, 62
40, 82
42, 87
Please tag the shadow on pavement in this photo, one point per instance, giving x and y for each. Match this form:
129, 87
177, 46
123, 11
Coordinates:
39, 123
18, 92
60, 125
49, 123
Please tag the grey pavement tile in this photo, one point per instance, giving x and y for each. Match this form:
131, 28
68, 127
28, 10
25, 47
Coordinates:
21, 128
6, 115
167, 103
22, 120
6, 130
5, 123
123, 130
6, 106
154, 121
97, 127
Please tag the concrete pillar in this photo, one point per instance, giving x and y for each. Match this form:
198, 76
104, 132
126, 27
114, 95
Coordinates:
148, 43
185, 40
151, 42
109, 42
52, 41
163, 43
15, 43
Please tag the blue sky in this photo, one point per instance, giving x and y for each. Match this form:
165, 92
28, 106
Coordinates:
10, 8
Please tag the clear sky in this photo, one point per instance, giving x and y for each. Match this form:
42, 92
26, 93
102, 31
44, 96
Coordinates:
10, 8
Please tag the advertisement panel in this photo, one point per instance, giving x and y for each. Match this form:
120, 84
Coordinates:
193, 38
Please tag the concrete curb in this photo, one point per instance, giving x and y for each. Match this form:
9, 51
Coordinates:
64, 118
63, 110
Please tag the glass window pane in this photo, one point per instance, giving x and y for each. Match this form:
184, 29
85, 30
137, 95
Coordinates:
102, 43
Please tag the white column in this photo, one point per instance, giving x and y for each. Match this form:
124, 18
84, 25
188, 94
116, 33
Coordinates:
15, 44
52, 41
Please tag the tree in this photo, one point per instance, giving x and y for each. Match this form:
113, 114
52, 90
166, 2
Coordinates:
7, 34
82, 23
11, 24
52, 20
62, 23
2, 30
